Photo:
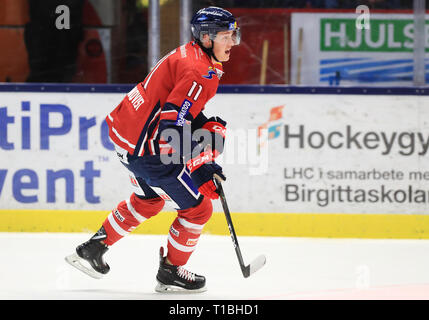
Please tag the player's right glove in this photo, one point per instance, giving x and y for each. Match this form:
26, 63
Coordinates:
202, 170
217, 127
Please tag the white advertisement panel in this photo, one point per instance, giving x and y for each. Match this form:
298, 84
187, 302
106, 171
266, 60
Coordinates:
284, 153
55, 152
338, 49
330, 153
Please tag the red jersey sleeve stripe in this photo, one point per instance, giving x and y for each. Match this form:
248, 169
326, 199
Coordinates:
169, 115
123, 139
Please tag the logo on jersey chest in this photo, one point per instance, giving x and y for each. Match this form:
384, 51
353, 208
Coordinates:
212, 73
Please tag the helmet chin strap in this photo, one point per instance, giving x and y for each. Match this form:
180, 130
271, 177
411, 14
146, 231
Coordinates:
208, 51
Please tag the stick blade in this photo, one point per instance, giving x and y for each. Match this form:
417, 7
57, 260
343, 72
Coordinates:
254, 266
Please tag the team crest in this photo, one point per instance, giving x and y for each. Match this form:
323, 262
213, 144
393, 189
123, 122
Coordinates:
212, 72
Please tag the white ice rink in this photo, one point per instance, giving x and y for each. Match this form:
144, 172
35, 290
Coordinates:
32, 266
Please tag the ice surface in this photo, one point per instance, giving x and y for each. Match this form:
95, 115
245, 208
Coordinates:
32, 266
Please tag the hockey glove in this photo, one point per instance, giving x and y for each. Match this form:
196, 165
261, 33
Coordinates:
202, 170
217, 127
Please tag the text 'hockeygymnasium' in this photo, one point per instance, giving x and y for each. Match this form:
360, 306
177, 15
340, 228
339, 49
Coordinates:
403, 143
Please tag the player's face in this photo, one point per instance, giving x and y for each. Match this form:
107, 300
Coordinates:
223, 43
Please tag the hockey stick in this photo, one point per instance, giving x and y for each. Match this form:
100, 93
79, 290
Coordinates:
256, 264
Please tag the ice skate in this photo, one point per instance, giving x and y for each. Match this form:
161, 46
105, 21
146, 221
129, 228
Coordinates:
88, 257
177, 279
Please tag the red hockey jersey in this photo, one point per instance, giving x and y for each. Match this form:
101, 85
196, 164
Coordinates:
176, 90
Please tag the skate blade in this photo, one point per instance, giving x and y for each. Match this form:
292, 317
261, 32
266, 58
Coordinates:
164, 288
77, 262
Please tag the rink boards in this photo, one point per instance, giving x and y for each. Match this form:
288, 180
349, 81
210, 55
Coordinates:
299, 161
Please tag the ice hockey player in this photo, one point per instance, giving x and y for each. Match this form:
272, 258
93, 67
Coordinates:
158, 121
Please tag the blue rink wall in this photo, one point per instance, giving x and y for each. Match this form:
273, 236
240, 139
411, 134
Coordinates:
300, 161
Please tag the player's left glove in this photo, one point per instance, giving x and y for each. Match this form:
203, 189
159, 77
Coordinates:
217, 127
203, 170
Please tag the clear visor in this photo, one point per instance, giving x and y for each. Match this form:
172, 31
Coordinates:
224, 37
